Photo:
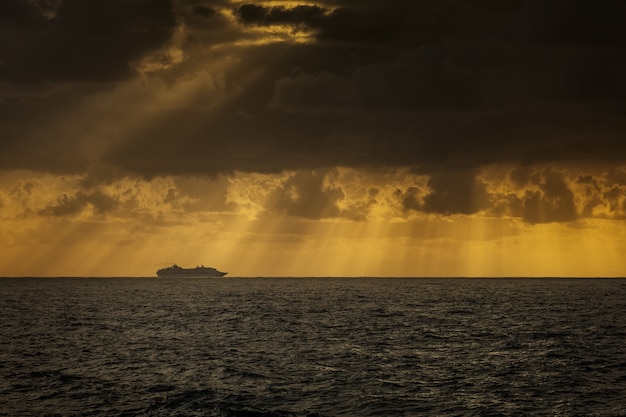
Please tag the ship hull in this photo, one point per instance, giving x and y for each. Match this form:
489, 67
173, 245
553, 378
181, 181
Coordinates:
220, 275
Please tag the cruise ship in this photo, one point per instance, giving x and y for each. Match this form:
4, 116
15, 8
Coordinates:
201, 271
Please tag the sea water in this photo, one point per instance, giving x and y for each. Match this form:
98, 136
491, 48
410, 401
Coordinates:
312, 347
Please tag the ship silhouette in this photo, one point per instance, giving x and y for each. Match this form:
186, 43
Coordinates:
201, 271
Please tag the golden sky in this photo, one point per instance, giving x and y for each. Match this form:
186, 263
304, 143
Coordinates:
331, 138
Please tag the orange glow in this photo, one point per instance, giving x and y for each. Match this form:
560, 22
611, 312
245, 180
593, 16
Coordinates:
46, 230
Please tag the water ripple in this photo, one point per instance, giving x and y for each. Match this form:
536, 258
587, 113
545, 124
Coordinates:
314, 347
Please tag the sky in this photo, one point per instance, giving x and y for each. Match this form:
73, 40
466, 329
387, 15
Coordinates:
313, 138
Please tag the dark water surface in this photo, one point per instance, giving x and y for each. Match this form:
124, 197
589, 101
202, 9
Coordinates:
312, 347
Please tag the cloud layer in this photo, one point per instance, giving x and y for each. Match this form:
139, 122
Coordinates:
446, 89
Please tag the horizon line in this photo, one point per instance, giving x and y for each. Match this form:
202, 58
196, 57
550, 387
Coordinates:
309, 277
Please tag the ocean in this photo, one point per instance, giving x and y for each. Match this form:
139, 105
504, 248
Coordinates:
312, 347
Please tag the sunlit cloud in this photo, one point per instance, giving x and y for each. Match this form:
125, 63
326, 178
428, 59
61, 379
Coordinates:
177, 219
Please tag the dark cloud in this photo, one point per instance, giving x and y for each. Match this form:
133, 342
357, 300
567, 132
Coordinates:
411, 199
414, 81
305, 195
16, 12
616, 201
449, 192
471, 117
604, 195
401, 23
616, 177
553, 202
441, 86
260, 15
534, 195
71, 205
96, 40
575, 21
204, 11
456, 193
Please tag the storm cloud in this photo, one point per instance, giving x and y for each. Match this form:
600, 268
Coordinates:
123, 88
78, 41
